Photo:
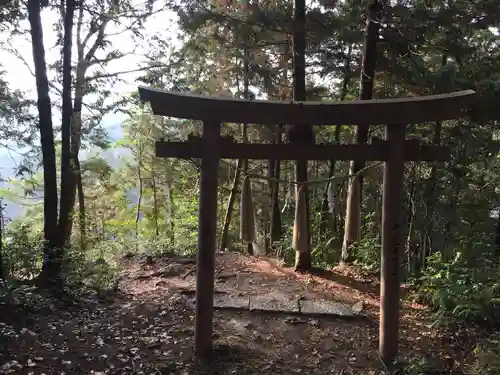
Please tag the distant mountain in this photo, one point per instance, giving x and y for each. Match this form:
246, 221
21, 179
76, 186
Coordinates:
10, 160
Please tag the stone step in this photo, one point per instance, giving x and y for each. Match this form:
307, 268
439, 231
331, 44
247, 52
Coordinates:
286, 306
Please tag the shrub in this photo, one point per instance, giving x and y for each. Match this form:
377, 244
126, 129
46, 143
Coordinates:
466, 290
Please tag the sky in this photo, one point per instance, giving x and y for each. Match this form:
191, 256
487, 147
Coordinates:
18, 66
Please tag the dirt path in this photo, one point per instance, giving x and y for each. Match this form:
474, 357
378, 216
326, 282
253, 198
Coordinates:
148, 327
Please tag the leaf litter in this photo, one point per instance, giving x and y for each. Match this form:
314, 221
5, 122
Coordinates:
147, 326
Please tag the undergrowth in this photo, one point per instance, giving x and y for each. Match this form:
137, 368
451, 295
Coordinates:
464, 289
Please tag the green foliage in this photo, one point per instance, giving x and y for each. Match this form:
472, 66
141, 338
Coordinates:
468, 290
417, 366
367, 252
21, 251
326, 253
486, 358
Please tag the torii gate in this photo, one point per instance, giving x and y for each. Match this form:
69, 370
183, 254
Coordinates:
395, 150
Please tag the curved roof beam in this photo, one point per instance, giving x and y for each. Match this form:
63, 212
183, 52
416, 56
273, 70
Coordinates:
360, 112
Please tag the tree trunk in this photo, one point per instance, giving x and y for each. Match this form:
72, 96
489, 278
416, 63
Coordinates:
354, 196
81, 207
325, 207
246, 93
171, 215
432, 193
155, 207
76, 130
68, 183
241, 164
51, 268
412, 256
458, 174
83, 60
230, 204
304, 133
245, 171
139, 195
275, 230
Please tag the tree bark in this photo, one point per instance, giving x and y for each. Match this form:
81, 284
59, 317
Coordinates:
230, 205
245, 171
304, 133
155, 206
325, 207
241, 164
83, 63
68, 183
275, 230
51, 268
171, 214
354, 196
412, 256
139, 194
246, 94
432, 193
81, 208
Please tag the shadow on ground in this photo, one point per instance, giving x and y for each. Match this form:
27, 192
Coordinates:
149, 327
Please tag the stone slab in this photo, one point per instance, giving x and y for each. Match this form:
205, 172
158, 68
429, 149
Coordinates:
326, 308
265, 303
231, 302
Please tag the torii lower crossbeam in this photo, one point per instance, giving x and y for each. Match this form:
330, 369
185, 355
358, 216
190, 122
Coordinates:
393, 151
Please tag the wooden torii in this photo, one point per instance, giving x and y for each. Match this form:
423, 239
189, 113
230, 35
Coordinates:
394, 151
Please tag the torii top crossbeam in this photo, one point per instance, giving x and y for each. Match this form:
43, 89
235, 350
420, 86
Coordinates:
361, 112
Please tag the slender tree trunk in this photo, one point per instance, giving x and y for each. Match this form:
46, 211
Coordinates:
171, 217
76, 130
155, 207
51, 266
354, 196
139, 195
230, 205
275, 204
325, 208
412, 256
68, 184
432, 192
83, 60
316, 164
267, 207
325, 205
241, 164
336, 211
453, 205
246, 94
81, 207
245, 172
276, 230
304, 133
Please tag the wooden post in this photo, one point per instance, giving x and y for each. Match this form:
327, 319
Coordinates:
391, 244
207, 224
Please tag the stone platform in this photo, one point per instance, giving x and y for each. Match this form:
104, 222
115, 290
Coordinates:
286, 306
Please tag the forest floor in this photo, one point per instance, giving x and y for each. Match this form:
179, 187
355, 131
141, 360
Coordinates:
146, 326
